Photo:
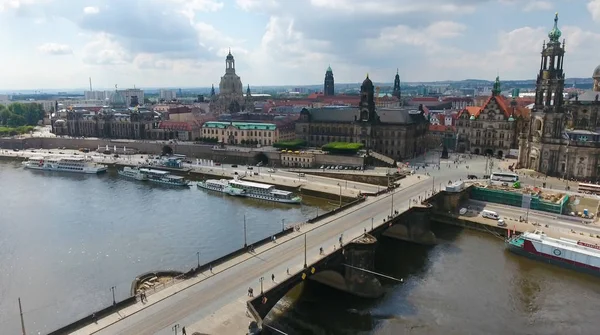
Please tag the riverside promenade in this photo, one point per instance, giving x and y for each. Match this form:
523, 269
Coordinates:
316, 185
214, 302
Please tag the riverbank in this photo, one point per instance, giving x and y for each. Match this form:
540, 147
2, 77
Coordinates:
321, 187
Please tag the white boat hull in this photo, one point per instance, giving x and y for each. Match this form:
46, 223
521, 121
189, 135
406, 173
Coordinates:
264, 197
55, 169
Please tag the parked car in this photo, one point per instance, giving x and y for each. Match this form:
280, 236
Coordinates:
271, 170
232, 165
250, 168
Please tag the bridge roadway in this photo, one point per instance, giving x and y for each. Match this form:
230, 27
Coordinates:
189, 302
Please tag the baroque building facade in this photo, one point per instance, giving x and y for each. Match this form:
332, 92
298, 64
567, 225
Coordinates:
394, 132
491, 129
231, 96
562, 139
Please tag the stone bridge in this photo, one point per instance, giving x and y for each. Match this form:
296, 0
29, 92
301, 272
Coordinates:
344, 269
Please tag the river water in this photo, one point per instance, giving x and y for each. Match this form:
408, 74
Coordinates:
468, 284
66, 239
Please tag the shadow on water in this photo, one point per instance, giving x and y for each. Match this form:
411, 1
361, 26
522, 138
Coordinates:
319, 309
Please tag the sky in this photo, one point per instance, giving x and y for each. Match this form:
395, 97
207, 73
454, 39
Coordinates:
60, 44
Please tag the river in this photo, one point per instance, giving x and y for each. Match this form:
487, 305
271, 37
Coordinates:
66, 239
467, 284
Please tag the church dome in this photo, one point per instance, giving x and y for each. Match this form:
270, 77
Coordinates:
229, 56
117, 99
596, 74
555, 33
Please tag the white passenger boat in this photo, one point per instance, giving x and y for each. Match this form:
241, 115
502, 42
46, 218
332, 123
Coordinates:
164, 177
221, 186
265, 192
64, 164
134, 173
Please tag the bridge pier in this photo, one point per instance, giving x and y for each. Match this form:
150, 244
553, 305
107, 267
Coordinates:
412, 226
361, 254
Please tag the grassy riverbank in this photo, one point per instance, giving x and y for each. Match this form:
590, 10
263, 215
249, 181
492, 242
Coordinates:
10, 131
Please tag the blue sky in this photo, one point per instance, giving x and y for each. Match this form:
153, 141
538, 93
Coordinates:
51, 44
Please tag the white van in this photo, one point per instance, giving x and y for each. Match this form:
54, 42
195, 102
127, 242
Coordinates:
490, 214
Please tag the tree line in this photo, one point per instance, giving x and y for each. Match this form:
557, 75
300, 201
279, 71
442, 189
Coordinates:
19, 114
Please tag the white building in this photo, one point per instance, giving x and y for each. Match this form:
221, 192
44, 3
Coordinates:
97, 95
133, 96
167, 95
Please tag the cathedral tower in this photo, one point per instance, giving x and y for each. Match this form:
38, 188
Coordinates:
367, 100
545, 150
397, 92
550, 86
328, 87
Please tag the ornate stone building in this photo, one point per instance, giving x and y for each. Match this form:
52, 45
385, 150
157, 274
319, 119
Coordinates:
328, 86
562, 139
394, 132
492, 128
231, 97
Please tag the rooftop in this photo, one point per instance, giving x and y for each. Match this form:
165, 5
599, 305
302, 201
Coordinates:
240, 125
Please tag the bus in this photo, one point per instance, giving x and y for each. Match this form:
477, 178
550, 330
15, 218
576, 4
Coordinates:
504, 177
589, 188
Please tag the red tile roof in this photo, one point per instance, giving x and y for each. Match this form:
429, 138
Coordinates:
503, 104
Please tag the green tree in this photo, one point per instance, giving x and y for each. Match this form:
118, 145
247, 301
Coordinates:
4, 115
15, 120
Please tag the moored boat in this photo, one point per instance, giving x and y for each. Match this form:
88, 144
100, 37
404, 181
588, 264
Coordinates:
220, 186
265, 192
576, 255
134, 173
64, 164
164, 177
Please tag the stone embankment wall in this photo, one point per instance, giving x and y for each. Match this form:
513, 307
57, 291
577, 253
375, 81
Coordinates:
203, 151
381, 180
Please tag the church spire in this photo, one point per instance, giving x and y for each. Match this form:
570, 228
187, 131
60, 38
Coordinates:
496, 90
248, 94
212, 90
397, 92
329, 83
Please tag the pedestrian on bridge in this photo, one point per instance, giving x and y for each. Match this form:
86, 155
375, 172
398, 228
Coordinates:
183, 332
273, 277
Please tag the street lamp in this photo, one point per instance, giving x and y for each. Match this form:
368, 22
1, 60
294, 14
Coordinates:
245, 238
340, 194
175, 327
305, 266
392, 208
372, 224
198, 254
261, 279
113, 293
282, 224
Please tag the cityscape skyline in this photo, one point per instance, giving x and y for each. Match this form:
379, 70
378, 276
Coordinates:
120, 42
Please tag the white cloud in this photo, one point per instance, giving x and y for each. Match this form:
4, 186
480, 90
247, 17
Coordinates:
594, 8
394, 6
55, 49
104, 50
260, 5
534, 6
91, 10
17, 4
